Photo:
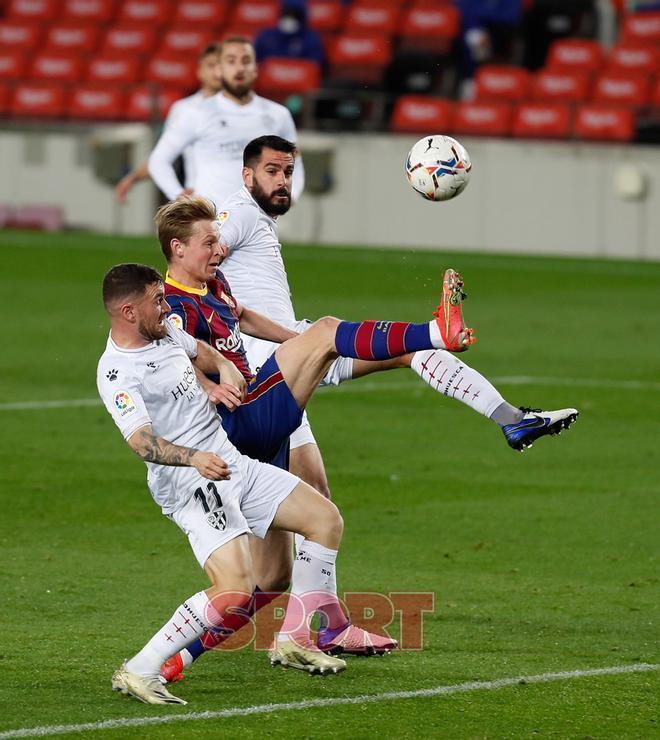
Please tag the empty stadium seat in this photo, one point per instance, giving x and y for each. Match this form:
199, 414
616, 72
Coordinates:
635, 58
151, 12
4, 107
127, 39
89, 11
641, 27
561, 86
60, 67
498, 82
482, 119
542, 121
359, 57
256, 14
375, 16
148, 103
325, 16
71, 37
655, 94
19, 36
202, 14
430, 28
96, 103
172, 70
42, 11
619, 87
13, 65
421, 114
280, 77
186, 40
604, 123
114, 69
576, 54
39, 100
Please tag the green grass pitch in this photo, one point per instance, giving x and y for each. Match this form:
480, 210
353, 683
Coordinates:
541, 562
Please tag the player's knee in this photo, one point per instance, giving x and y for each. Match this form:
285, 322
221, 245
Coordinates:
334, 523
325, 328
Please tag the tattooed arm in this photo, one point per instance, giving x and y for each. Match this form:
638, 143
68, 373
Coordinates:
152, 448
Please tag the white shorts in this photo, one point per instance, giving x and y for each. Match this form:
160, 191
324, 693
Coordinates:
217, 512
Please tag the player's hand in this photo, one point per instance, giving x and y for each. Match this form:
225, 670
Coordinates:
185, 193
210, 466
231, 375
227, 394
122, 188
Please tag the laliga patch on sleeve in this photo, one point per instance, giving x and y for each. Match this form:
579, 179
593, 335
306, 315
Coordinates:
175, 320
124, 403
222, 217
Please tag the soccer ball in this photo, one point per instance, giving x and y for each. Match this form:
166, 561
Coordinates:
438, 167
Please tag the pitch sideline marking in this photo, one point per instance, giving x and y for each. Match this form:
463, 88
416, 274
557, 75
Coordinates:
366, 386
497, 683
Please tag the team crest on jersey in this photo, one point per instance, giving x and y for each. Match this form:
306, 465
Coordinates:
217, 519
222, 217
124, 403
175, 320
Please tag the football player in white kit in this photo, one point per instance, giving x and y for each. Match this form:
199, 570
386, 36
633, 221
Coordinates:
210, 83
217, 131
213, 493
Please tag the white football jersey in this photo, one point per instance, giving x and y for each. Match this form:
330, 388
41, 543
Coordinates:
217, 131
176, 111
157, 385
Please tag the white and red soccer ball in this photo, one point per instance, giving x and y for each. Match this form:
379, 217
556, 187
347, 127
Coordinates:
438, 167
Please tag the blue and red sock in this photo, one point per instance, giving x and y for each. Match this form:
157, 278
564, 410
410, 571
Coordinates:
381, 340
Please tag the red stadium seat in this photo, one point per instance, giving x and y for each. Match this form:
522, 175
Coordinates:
149, 103
243, 31
151, 12
256, 14
60, 67
560, 86
19, 36
88, 11
576, 54
604, 123
495, 82
186, 40
655, 94
13, 65
129, 39
96, 103
33, 10
622, 88
38, 99
482, 119
71, 37
281, 77
172, 70
542, 121
635, 58
641, 28
359, 57
375, 16
114, 68
430, 28
4, 107
421, 114
202, 14
325, 16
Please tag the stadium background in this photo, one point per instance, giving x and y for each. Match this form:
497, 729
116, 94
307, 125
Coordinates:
541, 563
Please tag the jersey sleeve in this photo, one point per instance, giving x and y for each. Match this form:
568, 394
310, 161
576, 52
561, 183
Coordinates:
183, 339
179, 133
236, 225
122, 397
183, 314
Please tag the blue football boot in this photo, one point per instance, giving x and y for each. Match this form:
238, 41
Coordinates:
536, 423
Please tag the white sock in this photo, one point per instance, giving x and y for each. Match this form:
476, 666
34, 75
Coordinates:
298, 539
448, 375
313, 581
185, 625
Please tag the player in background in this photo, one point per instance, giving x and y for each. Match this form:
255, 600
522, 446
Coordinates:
218, 131
210, 83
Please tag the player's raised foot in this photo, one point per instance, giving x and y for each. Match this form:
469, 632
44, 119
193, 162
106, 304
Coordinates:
352, 640
536, 423
147, 689
303, 654
172, 670
456, 336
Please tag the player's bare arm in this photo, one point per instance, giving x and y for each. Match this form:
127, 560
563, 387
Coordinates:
154, 449
260, 326
232, 386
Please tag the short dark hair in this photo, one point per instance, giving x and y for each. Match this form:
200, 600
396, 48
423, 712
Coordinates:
252, 152
128, 279
209, 50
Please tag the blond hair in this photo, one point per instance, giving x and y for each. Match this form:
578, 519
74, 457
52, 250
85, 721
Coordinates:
177, 219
